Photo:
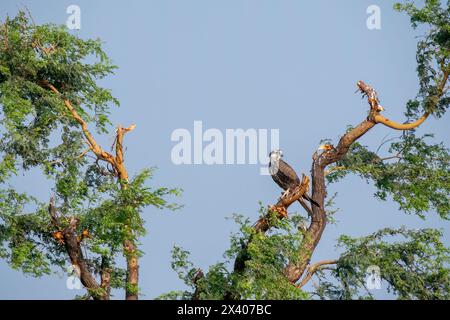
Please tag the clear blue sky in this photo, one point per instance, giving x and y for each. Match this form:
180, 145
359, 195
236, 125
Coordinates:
289, 65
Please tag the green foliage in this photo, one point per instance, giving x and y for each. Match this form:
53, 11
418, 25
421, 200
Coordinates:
112, 218
23, 236
31, 55
415, 174
38, 131
433, 56
266, 257
263, 278
414, 264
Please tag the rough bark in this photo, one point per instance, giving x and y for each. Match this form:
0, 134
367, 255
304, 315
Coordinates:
313, 234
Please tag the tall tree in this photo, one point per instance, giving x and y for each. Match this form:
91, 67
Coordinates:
272, 258
51, 109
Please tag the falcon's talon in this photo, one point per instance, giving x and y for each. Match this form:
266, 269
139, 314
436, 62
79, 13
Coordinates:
288, 190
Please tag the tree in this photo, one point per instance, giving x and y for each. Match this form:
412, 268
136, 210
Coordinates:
271, 259
50, 106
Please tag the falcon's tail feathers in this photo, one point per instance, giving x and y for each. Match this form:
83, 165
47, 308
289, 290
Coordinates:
305, 196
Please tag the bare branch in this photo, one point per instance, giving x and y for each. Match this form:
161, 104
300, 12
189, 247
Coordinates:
262, 225
305, 206
335, 168
408, 126
312, 269
384, 141
401, 126
81, 155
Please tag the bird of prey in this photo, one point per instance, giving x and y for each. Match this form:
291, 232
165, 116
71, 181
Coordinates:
284, 175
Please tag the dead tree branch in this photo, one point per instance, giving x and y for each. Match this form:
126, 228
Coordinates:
263, 224
118, 167
296, 269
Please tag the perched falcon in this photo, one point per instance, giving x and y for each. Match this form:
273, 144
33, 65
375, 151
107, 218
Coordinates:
284, 175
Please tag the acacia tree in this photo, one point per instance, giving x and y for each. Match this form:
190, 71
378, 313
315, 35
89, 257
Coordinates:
272, 258
51, 105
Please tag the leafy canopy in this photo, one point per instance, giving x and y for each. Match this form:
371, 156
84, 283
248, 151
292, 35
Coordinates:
37, 131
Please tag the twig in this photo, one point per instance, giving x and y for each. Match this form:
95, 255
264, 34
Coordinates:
312, 269
383, 142
81, 155
335, 168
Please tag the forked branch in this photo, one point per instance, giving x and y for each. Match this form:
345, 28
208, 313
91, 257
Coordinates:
312, 269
